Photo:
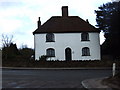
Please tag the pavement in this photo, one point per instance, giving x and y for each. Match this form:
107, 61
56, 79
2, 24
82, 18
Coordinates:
96, 83
84, 68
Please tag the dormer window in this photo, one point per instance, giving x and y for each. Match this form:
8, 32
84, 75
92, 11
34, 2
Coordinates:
85, 36
50, 37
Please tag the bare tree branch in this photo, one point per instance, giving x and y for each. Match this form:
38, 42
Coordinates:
7, 40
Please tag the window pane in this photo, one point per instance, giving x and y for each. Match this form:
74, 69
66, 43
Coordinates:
86, 51
84, 36
50, 37
50, 52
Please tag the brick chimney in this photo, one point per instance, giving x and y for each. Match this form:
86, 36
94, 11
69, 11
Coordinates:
64, 11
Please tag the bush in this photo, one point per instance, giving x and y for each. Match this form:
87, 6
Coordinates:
43, 58
21, 62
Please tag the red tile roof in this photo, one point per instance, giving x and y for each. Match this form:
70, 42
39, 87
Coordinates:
69, 24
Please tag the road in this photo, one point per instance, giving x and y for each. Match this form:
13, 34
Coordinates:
20, 78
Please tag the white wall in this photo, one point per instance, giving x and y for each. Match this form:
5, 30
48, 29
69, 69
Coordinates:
71, 40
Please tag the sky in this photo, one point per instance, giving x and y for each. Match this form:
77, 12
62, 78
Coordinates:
19, 17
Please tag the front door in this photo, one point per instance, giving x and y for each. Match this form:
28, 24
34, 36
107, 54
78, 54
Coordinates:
68, 55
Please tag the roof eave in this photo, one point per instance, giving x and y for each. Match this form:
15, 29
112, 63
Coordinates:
65, 32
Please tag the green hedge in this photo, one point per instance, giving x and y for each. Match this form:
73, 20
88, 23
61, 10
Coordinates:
58, 64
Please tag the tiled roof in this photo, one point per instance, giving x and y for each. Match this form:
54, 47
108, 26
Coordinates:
69, 24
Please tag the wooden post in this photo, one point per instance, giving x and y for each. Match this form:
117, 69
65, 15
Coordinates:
113, 69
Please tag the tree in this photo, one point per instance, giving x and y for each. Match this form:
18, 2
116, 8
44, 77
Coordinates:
9, 50
26, 52
107, 18
7, 40
104, 15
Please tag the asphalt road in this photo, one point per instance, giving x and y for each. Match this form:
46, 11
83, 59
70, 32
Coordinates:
14, 78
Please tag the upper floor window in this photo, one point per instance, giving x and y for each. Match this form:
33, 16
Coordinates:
85, 36
50, 37
85, 51
50, 52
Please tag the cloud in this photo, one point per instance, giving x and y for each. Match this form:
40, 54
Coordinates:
115, 0
19, 17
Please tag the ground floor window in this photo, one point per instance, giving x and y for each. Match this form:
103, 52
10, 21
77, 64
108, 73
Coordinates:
85, 51
50, 52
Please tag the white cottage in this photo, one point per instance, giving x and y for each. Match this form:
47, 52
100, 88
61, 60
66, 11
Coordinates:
66, 38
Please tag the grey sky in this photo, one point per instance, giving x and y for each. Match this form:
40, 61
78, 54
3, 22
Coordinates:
19, 17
